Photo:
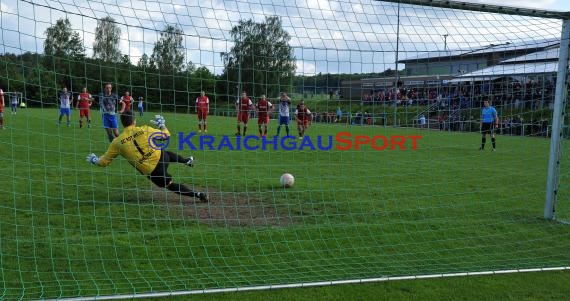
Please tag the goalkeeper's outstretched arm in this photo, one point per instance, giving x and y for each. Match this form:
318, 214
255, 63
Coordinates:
106, 159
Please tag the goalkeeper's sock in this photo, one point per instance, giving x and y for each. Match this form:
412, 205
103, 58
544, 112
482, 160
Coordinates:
244, 129
483, 141
181, 189
174, 157
80, 123
238, 130
493, 141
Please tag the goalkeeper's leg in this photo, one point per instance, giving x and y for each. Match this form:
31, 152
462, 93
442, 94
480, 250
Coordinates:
161, 178
174, 157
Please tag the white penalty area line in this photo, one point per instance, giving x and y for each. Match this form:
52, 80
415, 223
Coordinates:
307, 284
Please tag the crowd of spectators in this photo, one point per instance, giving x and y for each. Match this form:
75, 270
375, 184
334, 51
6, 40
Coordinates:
531, 95
447, 103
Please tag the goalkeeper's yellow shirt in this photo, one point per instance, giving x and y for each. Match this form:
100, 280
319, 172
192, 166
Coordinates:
134, 144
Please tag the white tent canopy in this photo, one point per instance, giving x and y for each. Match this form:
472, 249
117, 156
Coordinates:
507, 70
546, 55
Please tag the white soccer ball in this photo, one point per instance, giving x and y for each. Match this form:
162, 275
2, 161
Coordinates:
287, 180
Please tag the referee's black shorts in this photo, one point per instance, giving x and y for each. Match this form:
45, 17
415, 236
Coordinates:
487, 128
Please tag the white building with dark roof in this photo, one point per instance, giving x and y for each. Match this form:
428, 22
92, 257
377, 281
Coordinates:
483, 67
461, 62
537, 64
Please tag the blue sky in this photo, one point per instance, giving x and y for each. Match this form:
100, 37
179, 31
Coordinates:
328, 36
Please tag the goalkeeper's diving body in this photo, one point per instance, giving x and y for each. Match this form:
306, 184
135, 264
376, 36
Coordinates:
135, 144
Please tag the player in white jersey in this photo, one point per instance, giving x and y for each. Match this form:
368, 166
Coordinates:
14, 102
64, 106
284, 109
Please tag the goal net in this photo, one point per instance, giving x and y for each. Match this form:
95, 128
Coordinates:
393, 178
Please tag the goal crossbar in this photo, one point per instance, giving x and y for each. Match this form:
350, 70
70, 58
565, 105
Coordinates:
490, 8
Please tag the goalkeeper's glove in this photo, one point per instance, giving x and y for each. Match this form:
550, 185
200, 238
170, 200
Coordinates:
92, 158
159, 121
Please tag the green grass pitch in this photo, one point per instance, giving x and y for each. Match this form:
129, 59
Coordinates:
71, 229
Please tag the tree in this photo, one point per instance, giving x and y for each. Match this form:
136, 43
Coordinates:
203, 79
106, 45
261, 57
126, 60
144, 62
61, 41
168, 53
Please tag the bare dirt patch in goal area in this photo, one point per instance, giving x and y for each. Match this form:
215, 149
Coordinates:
227, 209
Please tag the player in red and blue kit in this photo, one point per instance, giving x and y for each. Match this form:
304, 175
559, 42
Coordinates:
489, 122
243, 106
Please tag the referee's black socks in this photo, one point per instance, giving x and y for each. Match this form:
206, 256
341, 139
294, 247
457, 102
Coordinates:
493, 140
483, 141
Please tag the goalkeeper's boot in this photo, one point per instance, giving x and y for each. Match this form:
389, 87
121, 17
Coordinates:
190, 161
203, 197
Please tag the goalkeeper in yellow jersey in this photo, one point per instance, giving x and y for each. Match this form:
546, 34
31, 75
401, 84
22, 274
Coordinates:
138, 145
